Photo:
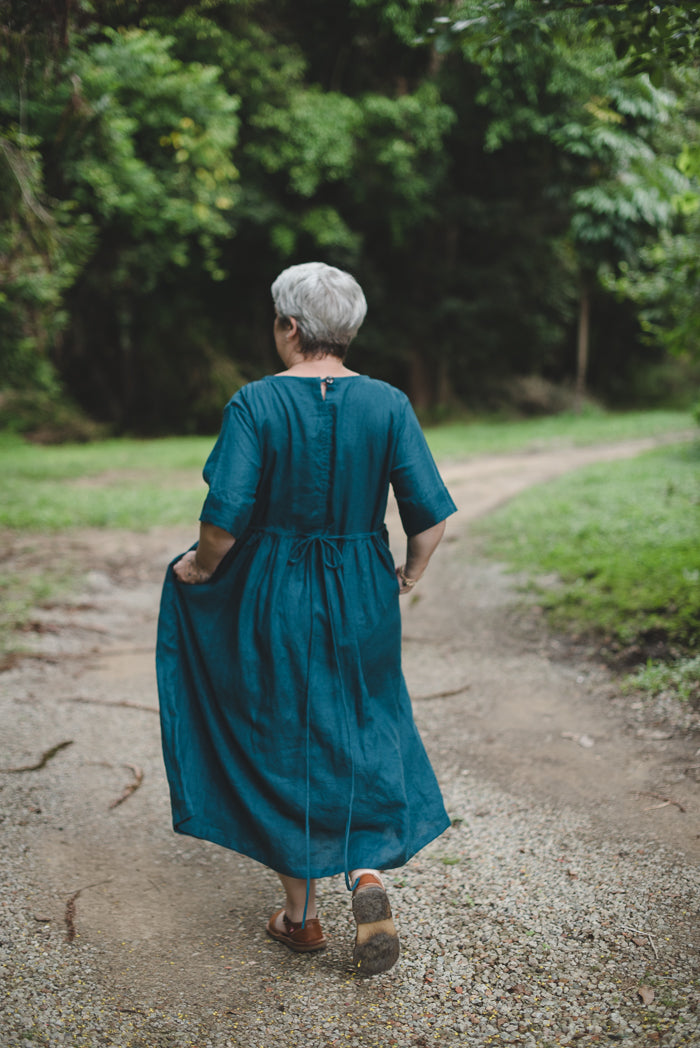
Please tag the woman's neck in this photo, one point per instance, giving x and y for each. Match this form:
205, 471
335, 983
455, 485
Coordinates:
318, 367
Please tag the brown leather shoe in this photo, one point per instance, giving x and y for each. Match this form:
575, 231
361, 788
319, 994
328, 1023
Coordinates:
376, 943
301, 940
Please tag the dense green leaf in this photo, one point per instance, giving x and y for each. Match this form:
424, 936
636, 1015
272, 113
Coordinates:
482, 171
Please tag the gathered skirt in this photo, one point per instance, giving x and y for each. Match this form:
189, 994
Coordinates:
287, 728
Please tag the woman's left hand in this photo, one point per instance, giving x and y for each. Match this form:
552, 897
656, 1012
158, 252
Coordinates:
187, 570
406, 584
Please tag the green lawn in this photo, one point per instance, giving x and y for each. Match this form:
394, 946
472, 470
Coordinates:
135, 484
622, 537
455, 440
131, 484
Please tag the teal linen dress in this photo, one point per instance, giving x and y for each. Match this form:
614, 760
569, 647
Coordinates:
287, 728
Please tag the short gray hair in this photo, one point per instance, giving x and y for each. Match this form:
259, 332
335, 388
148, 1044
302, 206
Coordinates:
327, 303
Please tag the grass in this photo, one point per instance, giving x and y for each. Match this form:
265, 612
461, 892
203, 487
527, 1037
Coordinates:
455, 440
621, 538
127, 484
130, 484
20, 594
135, 484
681, 678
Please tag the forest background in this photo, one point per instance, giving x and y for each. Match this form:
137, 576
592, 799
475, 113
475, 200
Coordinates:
514, 184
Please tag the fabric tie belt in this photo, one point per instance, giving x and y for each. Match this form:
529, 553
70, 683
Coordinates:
329, 552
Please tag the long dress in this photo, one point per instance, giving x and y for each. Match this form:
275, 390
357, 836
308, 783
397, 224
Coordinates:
287, 728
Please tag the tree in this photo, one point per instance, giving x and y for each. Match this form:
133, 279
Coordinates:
43, 247
664, 280
649, 37
43, 242
340, 156
190, 149
141, 143
546, 79
630, 195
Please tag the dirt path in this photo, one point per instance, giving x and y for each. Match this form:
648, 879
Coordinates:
539, 720
168, 922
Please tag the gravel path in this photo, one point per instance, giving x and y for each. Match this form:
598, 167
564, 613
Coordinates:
559, 910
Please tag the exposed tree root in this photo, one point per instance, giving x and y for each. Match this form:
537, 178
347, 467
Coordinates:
70, 916
665, 801
123, 704
442, 694
131, 787
70, 911
45, 758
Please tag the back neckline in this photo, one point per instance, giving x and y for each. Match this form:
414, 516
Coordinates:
316, 378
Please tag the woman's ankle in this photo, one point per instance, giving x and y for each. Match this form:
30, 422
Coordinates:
297, 917
356, 874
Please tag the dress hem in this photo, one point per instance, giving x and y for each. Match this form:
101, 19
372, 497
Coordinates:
206, 832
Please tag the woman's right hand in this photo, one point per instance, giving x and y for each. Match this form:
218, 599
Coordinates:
198, 565
187, 569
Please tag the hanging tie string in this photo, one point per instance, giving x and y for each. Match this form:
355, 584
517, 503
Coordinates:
328, 550
331, 557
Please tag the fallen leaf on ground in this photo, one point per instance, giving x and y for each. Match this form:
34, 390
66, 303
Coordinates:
646, 994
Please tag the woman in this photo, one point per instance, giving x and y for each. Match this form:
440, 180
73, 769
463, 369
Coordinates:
287, 728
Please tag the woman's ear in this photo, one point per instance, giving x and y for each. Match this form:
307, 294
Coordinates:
293, 328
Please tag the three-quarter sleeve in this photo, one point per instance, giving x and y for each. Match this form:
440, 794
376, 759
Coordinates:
422, 497
232, 470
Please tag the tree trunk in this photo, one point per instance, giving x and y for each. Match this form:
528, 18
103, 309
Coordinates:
583, 343
421, 383
126, 365
443, 383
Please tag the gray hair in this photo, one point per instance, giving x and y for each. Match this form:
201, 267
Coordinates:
327, 304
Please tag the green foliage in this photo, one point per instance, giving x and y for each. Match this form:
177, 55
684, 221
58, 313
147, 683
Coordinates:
137, 149
311, 139
547, 78
665, 285
622, 539
182, 153
43, 246
663, 281
45, 416
146, 150
404, 19
680, 677
397, 144
574, 96
309, 143
634, 189
649, 37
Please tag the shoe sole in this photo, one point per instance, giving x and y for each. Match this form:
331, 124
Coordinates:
376, 944
297, 947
